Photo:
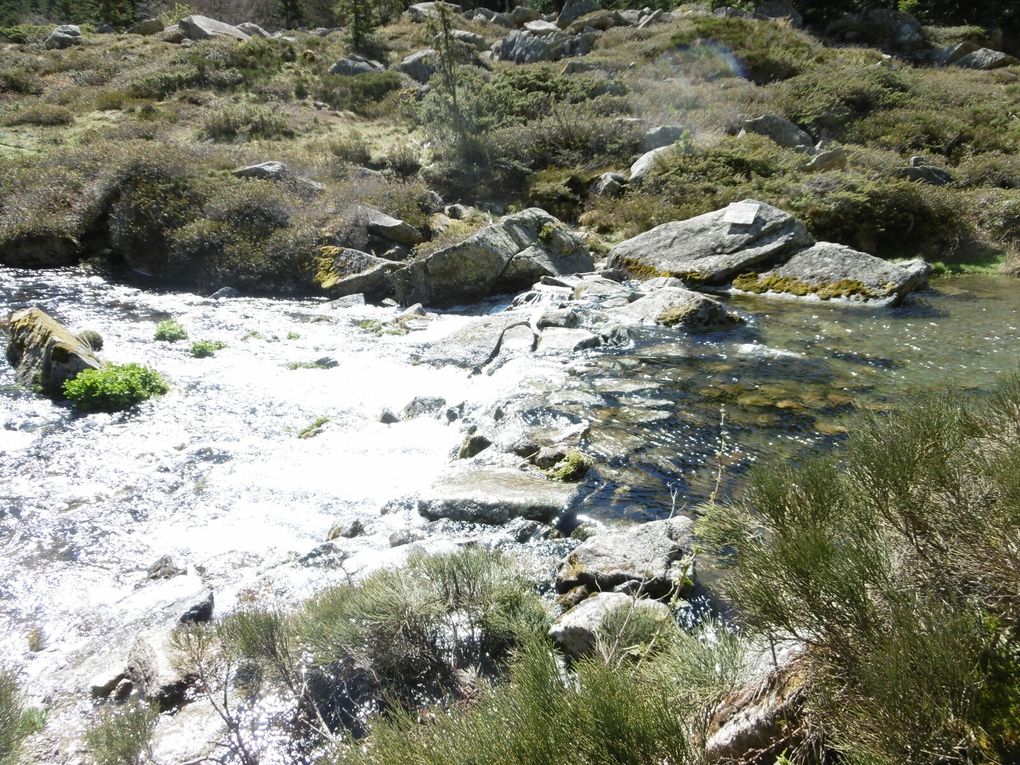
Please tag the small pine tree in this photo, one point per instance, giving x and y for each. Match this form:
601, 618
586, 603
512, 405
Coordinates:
117, 13
291, 13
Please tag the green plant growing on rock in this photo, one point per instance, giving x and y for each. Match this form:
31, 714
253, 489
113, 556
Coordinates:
573, 467
122, 734
201, 349
170, 331
114, 387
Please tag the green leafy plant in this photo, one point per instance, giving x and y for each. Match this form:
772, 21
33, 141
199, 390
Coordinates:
201, 349
170, 331
114, 387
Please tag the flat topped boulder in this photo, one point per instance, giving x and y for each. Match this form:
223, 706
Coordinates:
833, 271
45, 353
344, 271
511, 254
778, 129
495, 496
197, 27
714, 247
266, 171
353, 65
676, 307
658, 556
576, 633
986, 59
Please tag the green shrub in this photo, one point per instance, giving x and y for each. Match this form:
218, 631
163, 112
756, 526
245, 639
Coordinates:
21, 80
170, 331
896, 566
114, 387
351, 148
627, 714
11, 711
165, 82
413, 627
765, 51
122, 734
244, 122
45, 115
201, 349
362, 93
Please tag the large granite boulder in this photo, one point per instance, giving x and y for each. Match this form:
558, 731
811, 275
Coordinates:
495, 496
643, 164
353, 64
344, 271
155, 674
45, 353
510, 254
388, 228
986, 59
63, 36
575, 9
146, 27
895, 30
780, 130
657, 557
832, 271
577, 631
197, 27
422, 12
524, 47
254, 30
714, 247
420, 66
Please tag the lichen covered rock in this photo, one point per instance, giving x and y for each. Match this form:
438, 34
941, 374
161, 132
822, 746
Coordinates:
45, 353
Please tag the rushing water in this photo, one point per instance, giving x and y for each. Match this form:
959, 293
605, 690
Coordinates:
215, 474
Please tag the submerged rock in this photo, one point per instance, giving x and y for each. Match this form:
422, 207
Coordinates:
828, 271
510, 254
576, 632
495, 496
659, 556
714, 247
45, 353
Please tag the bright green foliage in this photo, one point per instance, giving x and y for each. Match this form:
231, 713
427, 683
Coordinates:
201, 349
170, 331
573, 467
121, 735
114, 387
898, 566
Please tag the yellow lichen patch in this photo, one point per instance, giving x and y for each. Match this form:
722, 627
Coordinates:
675, 315
325, 276
844, 288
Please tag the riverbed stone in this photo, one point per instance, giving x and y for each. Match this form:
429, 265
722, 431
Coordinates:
153, 671
494, 495
659, 555
200, 611
576, 632
708, 249
676, 307
45, 353
511, 254
828, 271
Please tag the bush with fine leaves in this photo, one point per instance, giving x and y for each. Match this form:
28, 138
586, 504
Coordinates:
114, 387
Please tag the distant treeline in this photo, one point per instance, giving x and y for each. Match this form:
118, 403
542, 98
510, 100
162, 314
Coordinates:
312, 13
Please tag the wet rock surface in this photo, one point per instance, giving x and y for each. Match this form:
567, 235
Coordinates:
45, 353
576, 632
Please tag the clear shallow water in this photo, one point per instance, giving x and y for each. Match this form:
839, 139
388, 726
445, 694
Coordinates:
215, 475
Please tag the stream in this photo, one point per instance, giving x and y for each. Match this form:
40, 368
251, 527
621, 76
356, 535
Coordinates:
216, 475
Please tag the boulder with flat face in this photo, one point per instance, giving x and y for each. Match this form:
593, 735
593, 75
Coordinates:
714, 247
344, 271
780, 130
353, 64
986, 59
45, 353
832, 271
511, 254
577, 631
197, 27
63, 36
